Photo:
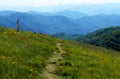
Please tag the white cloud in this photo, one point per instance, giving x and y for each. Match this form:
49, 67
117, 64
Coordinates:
51, 2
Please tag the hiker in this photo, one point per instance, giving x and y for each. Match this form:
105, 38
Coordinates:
18, 25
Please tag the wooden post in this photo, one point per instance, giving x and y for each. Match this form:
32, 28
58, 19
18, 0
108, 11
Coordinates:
18, 25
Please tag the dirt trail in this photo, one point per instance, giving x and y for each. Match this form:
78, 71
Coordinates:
51, 65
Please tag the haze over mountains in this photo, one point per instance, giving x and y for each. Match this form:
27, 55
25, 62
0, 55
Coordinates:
89, 9
66, 13
51, 24
71, 19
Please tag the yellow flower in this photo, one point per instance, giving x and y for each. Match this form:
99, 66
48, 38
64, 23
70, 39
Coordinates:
14, 62
3, 56
31, 69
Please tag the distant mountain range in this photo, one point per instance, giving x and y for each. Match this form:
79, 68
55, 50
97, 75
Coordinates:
68, 14
58, 22
40, 23
98, 21
71, 14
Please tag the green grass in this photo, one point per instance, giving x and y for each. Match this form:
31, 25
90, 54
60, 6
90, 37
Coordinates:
24, 55
83, 61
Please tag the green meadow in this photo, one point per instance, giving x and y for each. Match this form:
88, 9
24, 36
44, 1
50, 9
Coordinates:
24, 55
83, 61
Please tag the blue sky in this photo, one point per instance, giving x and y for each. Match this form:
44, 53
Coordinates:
38, 3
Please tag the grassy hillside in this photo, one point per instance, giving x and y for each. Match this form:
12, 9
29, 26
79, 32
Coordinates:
25, 55
82, 61
108, 37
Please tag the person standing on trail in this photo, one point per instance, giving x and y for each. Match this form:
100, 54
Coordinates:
18, 25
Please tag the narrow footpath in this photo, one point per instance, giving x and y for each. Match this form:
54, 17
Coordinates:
48, 73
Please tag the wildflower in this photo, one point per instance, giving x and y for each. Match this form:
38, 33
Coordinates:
31, 69
14, 62
2, 57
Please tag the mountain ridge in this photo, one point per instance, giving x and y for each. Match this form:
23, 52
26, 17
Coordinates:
56, 24
105, 37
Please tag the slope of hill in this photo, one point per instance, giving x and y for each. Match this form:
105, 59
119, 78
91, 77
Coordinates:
26, 55
108, 37
23, 55
82, 61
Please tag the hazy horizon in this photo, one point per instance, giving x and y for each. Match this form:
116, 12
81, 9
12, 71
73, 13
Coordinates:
41, 3
89, 7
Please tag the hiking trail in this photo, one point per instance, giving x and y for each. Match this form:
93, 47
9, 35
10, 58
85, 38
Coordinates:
48, 73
